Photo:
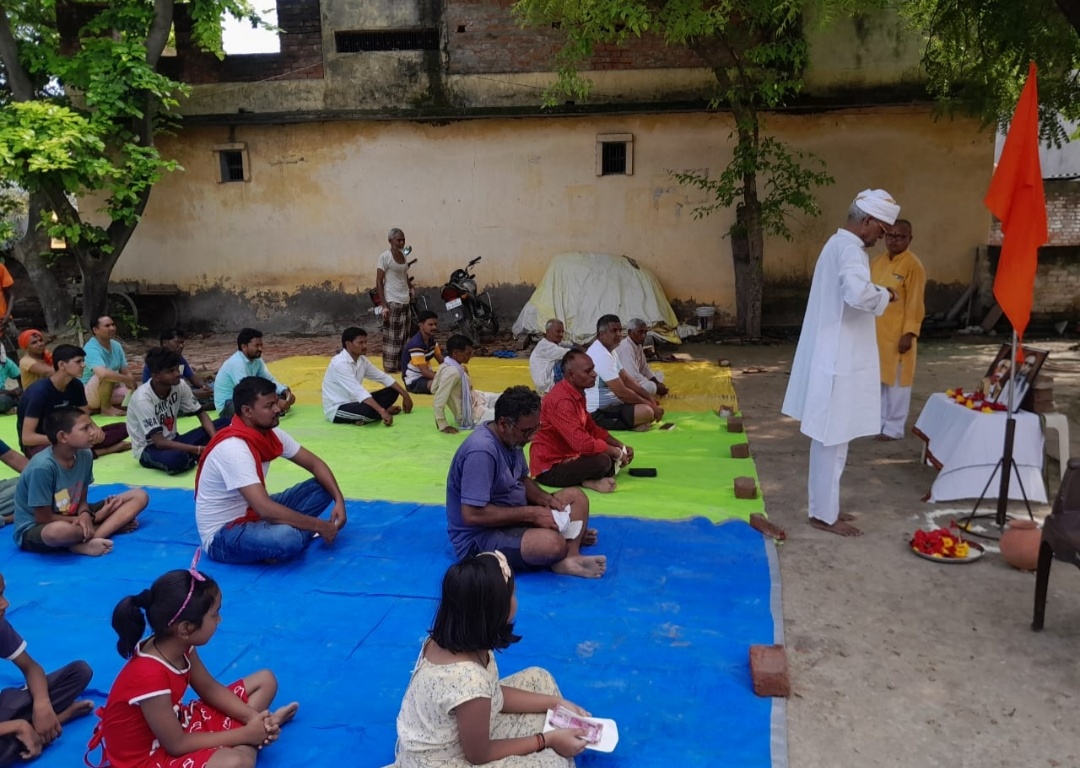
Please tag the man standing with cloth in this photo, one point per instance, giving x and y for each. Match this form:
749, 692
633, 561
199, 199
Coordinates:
898, 327
834, 387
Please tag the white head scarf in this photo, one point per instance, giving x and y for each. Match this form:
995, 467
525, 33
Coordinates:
879, 204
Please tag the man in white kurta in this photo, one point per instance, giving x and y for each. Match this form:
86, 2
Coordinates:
834, 389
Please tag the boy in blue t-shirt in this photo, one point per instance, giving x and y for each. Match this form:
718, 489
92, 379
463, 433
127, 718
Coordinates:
29, 720
51, 509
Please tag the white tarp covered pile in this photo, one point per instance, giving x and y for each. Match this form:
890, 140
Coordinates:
580, 287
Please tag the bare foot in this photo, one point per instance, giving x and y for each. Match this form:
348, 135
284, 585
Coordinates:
120, 447
132, 526
763, 525
76, 710
840, 528
286, 713
643, 427
847, 517
585, 566
93, 548
114, 412
394, 410
590, 538
885, 438
603, 485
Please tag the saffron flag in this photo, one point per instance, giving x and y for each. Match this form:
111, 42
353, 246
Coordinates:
1017, 199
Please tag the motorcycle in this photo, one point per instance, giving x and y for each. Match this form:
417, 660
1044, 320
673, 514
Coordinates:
472, 312
416, 303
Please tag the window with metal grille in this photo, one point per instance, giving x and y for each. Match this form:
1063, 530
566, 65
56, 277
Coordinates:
614, 154
426, 39
232, 164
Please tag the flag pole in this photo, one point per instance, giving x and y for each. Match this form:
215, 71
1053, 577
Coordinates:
1010, 438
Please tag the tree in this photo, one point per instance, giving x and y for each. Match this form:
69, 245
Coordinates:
977, 54
756, 52
79, 125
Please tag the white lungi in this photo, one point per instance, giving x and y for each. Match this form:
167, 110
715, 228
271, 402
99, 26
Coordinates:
823, 485
650, 386
895, 404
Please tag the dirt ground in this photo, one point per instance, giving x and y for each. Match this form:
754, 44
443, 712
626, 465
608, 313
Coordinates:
895, 661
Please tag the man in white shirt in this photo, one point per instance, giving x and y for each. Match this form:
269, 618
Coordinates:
616, 401
238, 521
631, 352
834, 389
152, 415
344, 399
545, 362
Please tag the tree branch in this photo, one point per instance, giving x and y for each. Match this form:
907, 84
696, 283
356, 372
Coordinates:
1070, 9
159, 31
18, 81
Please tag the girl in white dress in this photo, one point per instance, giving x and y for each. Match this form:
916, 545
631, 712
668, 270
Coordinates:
456, 711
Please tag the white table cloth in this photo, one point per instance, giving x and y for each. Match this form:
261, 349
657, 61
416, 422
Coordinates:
966, 445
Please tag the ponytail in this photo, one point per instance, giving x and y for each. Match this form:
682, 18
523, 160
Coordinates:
129, 622
175, 596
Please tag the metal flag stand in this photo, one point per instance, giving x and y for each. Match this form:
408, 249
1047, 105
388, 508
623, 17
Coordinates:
1005, 462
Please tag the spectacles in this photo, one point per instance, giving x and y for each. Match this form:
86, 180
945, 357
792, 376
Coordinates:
527, 433
896, 236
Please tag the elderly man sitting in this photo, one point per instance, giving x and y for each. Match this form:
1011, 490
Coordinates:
545, 362
631, 352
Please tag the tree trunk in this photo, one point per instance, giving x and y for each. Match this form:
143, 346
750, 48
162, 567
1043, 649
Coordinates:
747, 254
95, 293
32, 251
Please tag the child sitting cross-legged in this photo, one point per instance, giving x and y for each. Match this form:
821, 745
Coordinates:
31, 717
144, 723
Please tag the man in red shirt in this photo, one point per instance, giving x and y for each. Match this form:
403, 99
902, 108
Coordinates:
570, 448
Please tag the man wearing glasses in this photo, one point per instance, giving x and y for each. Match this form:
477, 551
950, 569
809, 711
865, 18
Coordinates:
493, 504
834, 386
898, 327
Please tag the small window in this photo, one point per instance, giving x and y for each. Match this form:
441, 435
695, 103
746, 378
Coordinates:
614, 154
233, 162
426, 39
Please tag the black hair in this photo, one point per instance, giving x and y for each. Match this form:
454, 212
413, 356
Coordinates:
60, 420
97, 321
426, 315
457, 343
516, 402
474, 612
65, 353
249, 389
246, 336
571, 356
171, 333
606, 321
349, 335
159, 359
159, 604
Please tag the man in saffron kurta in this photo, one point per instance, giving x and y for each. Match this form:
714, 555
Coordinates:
833, 389
898, 327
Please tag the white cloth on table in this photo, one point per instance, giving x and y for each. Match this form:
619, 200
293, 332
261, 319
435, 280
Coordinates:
966, 445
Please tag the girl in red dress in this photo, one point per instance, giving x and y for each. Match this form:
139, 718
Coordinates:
144, 723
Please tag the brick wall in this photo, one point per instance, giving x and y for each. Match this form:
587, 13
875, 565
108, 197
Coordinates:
1062, 213
483, 37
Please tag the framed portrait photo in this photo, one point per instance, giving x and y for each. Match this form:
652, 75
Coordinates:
1001, 378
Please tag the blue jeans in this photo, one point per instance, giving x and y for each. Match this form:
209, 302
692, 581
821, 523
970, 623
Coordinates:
259, 541
172, 461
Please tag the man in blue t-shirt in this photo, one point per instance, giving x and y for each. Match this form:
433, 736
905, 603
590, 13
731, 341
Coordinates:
52, 512
107, 379
493, 504
32, 716
419, 351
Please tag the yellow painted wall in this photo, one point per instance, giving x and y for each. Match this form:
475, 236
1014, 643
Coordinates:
520, 191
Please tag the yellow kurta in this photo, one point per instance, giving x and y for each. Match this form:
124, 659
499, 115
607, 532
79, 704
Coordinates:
905, 275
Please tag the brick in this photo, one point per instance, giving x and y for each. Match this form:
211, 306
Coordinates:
740, 451
745, 488
769, 670
735, 424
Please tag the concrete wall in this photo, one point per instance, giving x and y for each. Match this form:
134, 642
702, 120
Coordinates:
295, 246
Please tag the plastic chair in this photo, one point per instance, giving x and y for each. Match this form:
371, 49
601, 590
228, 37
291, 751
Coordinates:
1060, 537
1060, 424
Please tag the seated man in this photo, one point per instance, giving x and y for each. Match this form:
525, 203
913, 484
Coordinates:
239, 522
152, 415
36, 363
52, 513
174, 339
493, 504
344, 399
452, 387
246, 361
616, 401
545, 362
9, 372
16, 461
106, 378
631, 352
419, 350
63, 389
570, 448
